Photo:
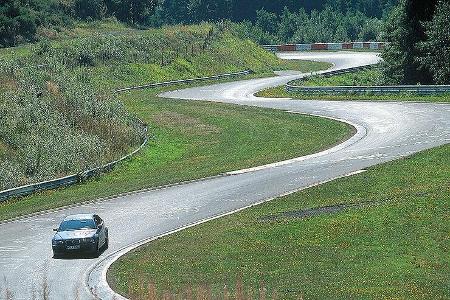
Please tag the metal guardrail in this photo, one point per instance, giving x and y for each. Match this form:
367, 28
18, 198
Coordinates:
71, 179
325, 46
80, 177
173, 82
416, 89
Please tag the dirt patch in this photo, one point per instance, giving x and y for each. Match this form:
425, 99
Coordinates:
8, 84
3, 150
53, 88
187, 124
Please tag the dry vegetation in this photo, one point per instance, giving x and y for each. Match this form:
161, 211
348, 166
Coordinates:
203, 292
57, 120
58, 124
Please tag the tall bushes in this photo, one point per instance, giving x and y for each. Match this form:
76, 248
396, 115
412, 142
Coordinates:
58, 116
20, 20
56, 124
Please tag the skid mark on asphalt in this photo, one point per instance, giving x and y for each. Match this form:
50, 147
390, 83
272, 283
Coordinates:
12, 249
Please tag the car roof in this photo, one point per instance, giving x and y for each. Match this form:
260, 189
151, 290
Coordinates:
79, 217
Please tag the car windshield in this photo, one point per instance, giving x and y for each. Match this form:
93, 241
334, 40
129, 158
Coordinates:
71, 225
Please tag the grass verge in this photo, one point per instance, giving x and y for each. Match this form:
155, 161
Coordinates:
364, 77
396, 248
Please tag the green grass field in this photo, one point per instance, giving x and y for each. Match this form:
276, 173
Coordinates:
395, 248
365, 77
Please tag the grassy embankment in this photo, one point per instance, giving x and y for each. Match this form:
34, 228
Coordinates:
365, 77
192, 139
393, 244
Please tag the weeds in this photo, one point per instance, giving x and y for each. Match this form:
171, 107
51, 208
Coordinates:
158, 46
56, 121
201, 292
60, 126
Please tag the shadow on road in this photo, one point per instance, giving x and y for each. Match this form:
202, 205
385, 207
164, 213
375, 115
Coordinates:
80, 255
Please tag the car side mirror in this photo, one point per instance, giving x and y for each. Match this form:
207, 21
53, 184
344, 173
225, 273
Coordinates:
55, 229
100, 226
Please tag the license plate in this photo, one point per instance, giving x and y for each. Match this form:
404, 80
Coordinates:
73, 247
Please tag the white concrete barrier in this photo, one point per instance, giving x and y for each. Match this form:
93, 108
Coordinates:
325, 46
334, 46
303, 47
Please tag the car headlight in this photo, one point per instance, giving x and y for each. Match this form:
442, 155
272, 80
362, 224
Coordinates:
57, 242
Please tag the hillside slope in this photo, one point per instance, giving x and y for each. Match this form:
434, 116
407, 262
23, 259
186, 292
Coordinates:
58, 115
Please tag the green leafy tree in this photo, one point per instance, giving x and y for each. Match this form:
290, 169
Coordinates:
267, 21
397, 60
405, 31
289, 22
209, 10
370, 30
172, 12
18, 23
436, 48
85, 9
131, 11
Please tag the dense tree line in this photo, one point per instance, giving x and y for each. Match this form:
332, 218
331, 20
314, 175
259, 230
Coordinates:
327, 25
21, 19
418, 33
182, 11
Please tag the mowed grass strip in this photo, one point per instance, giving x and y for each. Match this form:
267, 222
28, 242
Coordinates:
363, 77
191, 140
360, 78
395, 248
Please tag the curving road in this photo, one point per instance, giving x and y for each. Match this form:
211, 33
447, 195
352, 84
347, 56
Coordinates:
385, 131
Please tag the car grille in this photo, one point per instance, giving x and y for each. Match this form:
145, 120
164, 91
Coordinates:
73, 242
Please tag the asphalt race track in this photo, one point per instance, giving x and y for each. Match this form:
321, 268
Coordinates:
385, 131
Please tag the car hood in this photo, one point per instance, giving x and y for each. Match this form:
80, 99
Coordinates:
75, 234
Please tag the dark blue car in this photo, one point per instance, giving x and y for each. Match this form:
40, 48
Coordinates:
84, 233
